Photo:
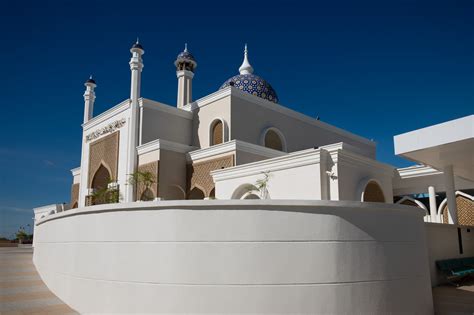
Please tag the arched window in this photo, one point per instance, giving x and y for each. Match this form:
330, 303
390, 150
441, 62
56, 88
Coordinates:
273, 139
196, 193
101, 178
217, 132
373, 193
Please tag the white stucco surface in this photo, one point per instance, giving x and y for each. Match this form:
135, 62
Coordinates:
238, 256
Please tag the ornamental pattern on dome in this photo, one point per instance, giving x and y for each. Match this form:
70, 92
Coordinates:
185, 55
252, 84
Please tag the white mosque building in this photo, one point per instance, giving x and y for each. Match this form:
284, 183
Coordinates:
219, 146
251, 207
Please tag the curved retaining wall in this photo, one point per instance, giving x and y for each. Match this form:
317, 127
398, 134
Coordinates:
260, 256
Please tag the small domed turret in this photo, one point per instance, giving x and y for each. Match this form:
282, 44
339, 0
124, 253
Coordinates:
137, 45
185, 60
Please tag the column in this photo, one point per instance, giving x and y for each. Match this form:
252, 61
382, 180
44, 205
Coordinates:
433, 207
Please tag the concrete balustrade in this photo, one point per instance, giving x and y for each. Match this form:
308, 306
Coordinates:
261, 256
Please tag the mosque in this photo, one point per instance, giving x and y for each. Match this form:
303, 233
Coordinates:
234, 203
220, 146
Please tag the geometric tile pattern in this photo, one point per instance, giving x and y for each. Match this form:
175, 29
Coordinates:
198, 174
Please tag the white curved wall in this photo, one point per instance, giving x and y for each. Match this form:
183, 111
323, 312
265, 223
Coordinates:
237, 256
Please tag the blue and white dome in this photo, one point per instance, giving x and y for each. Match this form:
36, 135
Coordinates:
250, 83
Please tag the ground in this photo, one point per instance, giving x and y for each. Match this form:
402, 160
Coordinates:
22, 291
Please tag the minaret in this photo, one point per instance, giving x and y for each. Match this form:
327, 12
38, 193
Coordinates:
246, 67
89, 98
185, 65
136, 67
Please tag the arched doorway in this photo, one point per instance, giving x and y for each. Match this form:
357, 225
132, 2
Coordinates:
373, 192
196, 194
101, 178
100, 181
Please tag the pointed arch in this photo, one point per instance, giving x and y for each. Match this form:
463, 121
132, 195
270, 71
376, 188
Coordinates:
101, 177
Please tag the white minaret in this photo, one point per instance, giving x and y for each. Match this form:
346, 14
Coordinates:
89, 99
136, 67
246, 67
185, 65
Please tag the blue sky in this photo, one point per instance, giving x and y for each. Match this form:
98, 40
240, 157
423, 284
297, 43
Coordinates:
376, 68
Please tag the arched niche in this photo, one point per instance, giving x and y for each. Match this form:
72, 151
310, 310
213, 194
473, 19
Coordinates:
274, 139
372, 192
196, 194
217, 132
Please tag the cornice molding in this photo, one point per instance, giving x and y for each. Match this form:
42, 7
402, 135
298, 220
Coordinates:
147, 103
232, 146
160, 144
417, 170
208, 99
111, 112
291, 160
232, 91
351, 158
76, 171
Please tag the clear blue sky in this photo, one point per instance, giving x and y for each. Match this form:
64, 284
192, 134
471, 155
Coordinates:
376, 68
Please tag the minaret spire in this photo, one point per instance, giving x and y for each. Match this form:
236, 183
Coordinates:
89, 99
246, 67
185, 67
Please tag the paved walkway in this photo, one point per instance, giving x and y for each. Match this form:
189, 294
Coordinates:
21, 289
454, 301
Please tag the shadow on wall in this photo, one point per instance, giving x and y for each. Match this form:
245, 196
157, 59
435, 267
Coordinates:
196, 122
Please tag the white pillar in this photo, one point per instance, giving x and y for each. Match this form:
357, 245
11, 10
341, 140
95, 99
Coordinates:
136, 67
89, 99
433, 208
450, 195
185, 88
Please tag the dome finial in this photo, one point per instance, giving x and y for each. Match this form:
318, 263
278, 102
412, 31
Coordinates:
246, 67
138, 42
185, 47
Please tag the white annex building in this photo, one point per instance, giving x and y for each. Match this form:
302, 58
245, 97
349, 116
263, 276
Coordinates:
294, 215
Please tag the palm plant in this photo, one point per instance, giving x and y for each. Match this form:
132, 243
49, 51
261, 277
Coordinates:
145, 179
106, 194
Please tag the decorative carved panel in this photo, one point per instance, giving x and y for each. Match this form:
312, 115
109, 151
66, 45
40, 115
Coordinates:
74, 195
198, 174
154, 168
465, 211
104, 151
